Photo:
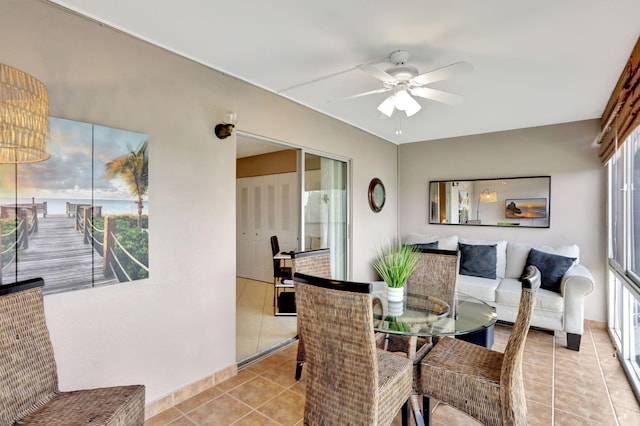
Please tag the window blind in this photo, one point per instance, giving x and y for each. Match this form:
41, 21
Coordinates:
622, 113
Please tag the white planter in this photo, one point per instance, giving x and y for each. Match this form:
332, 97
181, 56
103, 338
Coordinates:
395, 294
396, 309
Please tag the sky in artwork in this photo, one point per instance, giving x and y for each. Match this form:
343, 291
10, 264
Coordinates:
77, 167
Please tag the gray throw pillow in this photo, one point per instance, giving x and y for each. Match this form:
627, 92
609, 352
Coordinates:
478, 260
552, 268
433, 245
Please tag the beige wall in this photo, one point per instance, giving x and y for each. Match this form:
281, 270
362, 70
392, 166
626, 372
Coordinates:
178, 326
578, 188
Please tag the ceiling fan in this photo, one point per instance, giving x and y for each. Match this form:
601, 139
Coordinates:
404, 80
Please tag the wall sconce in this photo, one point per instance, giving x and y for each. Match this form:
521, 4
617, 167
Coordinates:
224, 130
24, 117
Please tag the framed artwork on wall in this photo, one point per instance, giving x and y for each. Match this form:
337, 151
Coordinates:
525, 208
81, 218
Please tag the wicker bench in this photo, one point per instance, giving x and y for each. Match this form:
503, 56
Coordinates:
29, 393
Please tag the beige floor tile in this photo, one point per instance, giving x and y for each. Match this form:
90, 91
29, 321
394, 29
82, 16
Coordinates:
562, 418
257, 391
182, 421
220, 412
624, 399
538, 392
539, 414
538, 373
448, 416
628, 417
287, 408
243, 376
255, 418
199, 399
594, 410
163, 418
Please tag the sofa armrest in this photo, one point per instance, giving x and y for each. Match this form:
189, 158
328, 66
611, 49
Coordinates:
576, 284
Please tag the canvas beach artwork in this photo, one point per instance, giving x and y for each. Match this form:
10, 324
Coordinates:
81, 218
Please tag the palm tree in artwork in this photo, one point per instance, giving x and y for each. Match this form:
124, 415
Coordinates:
134, 170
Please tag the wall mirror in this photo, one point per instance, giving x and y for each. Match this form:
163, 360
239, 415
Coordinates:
518, 201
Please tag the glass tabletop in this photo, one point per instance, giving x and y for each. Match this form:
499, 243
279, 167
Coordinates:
425, 316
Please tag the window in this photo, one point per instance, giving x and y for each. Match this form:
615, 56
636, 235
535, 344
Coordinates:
624, 253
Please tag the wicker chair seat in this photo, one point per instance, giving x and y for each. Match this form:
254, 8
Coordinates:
465, 376
112, 406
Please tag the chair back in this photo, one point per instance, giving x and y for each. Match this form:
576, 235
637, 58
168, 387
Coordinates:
312, 262
275, 245
29, 377
435, 275
278, 272
512, 396
342, 369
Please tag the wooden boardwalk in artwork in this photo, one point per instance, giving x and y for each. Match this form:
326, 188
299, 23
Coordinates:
58, 254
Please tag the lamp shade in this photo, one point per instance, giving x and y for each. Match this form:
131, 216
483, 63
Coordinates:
24, 117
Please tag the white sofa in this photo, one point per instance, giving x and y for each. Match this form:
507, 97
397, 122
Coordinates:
561, 310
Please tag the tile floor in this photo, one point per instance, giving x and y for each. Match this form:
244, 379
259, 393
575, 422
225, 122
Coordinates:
257, 329
563, 387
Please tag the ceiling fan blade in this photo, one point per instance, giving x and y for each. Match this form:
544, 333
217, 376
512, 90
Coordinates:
437, 95
376, 73
443, 73
372, 92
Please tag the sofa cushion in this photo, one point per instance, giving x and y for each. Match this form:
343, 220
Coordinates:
444, 243
509, 290
478, 260
517, 254
501, 253
552, 268
481, 288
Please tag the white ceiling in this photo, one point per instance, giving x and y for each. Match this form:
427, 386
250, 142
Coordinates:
535, 62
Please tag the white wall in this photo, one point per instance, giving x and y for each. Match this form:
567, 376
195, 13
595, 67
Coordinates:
178, 326
578, 188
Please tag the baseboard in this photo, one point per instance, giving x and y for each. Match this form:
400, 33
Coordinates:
601, 325
159, 405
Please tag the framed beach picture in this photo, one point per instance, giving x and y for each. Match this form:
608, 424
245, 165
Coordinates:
525, 208
79, 219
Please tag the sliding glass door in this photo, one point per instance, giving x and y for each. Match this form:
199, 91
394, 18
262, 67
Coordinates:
324, 209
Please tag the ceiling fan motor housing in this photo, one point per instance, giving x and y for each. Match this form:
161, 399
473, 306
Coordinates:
402, 73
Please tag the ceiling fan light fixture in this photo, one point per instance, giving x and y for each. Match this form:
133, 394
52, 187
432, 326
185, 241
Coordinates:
404, 102
387, 106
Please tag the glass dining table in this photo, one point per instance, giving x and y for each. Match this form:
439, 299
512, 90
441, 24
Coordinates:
466, 317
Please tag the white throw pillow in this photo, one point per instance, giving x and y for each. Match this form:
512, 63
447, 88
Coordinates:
517, 254
501, 253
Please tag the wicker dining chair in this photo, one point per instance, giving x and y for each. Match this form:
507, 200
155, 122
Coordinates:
29, 393
435, 275
485, 384
349, 381
310, 262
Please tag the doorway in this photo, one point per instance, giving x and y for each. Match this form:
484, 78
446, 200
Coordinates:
302, 198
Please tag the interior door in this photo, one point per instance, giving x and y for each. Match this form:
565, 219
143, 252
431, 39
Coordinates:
266, 206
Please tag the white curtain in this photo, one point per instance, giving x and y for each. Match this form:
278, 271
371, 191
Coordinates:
334, 213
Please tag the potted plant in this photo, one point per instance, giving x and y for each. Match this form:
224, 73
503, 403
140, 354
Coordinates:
394, 266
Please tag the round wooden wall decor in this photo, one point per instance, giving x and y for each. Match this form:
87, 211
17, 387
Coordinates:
377, 195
